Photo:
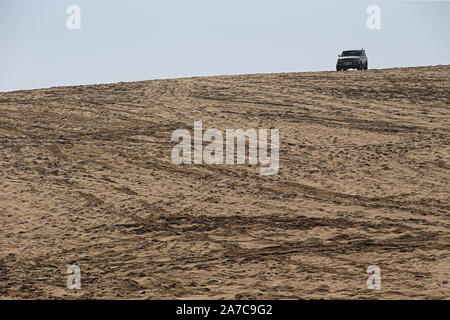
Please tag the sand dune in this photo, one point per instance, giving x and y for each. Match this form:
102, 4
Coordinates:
86, 178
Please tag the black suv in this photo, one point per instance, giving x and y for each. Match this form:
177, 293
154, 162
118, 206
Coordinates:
352, 59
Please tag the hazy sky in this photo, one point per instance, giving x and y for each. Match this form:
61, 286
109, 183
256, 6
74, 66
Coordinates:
141, 40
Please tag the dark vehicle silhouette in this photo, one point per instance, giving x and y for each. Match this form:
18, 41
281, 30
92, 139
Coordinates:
352, 59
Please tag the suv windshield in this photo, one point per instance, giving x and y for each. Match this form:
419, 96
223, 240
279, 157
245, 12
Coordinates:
351, 53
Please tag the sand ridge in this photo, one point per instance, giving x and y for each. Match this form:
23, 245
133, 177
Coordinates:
86, 178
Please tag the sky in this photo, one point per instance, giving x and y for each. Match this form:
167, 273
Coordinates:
155, 39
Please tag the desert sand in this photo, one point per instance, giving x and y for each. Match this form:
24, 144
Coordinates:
86, 178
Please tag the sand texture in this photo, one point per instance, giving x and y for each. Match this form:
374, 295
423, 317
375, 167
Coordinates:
86, 178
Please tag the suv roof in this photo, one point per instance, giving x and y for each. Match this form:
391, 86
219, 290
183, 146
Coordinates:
354, 51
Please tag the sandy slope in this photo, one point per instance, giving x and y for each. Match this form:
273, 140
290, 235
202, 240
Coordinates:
86, 178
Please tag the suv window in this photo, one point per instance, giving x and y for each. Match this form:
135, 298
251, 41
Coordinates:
351, 53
